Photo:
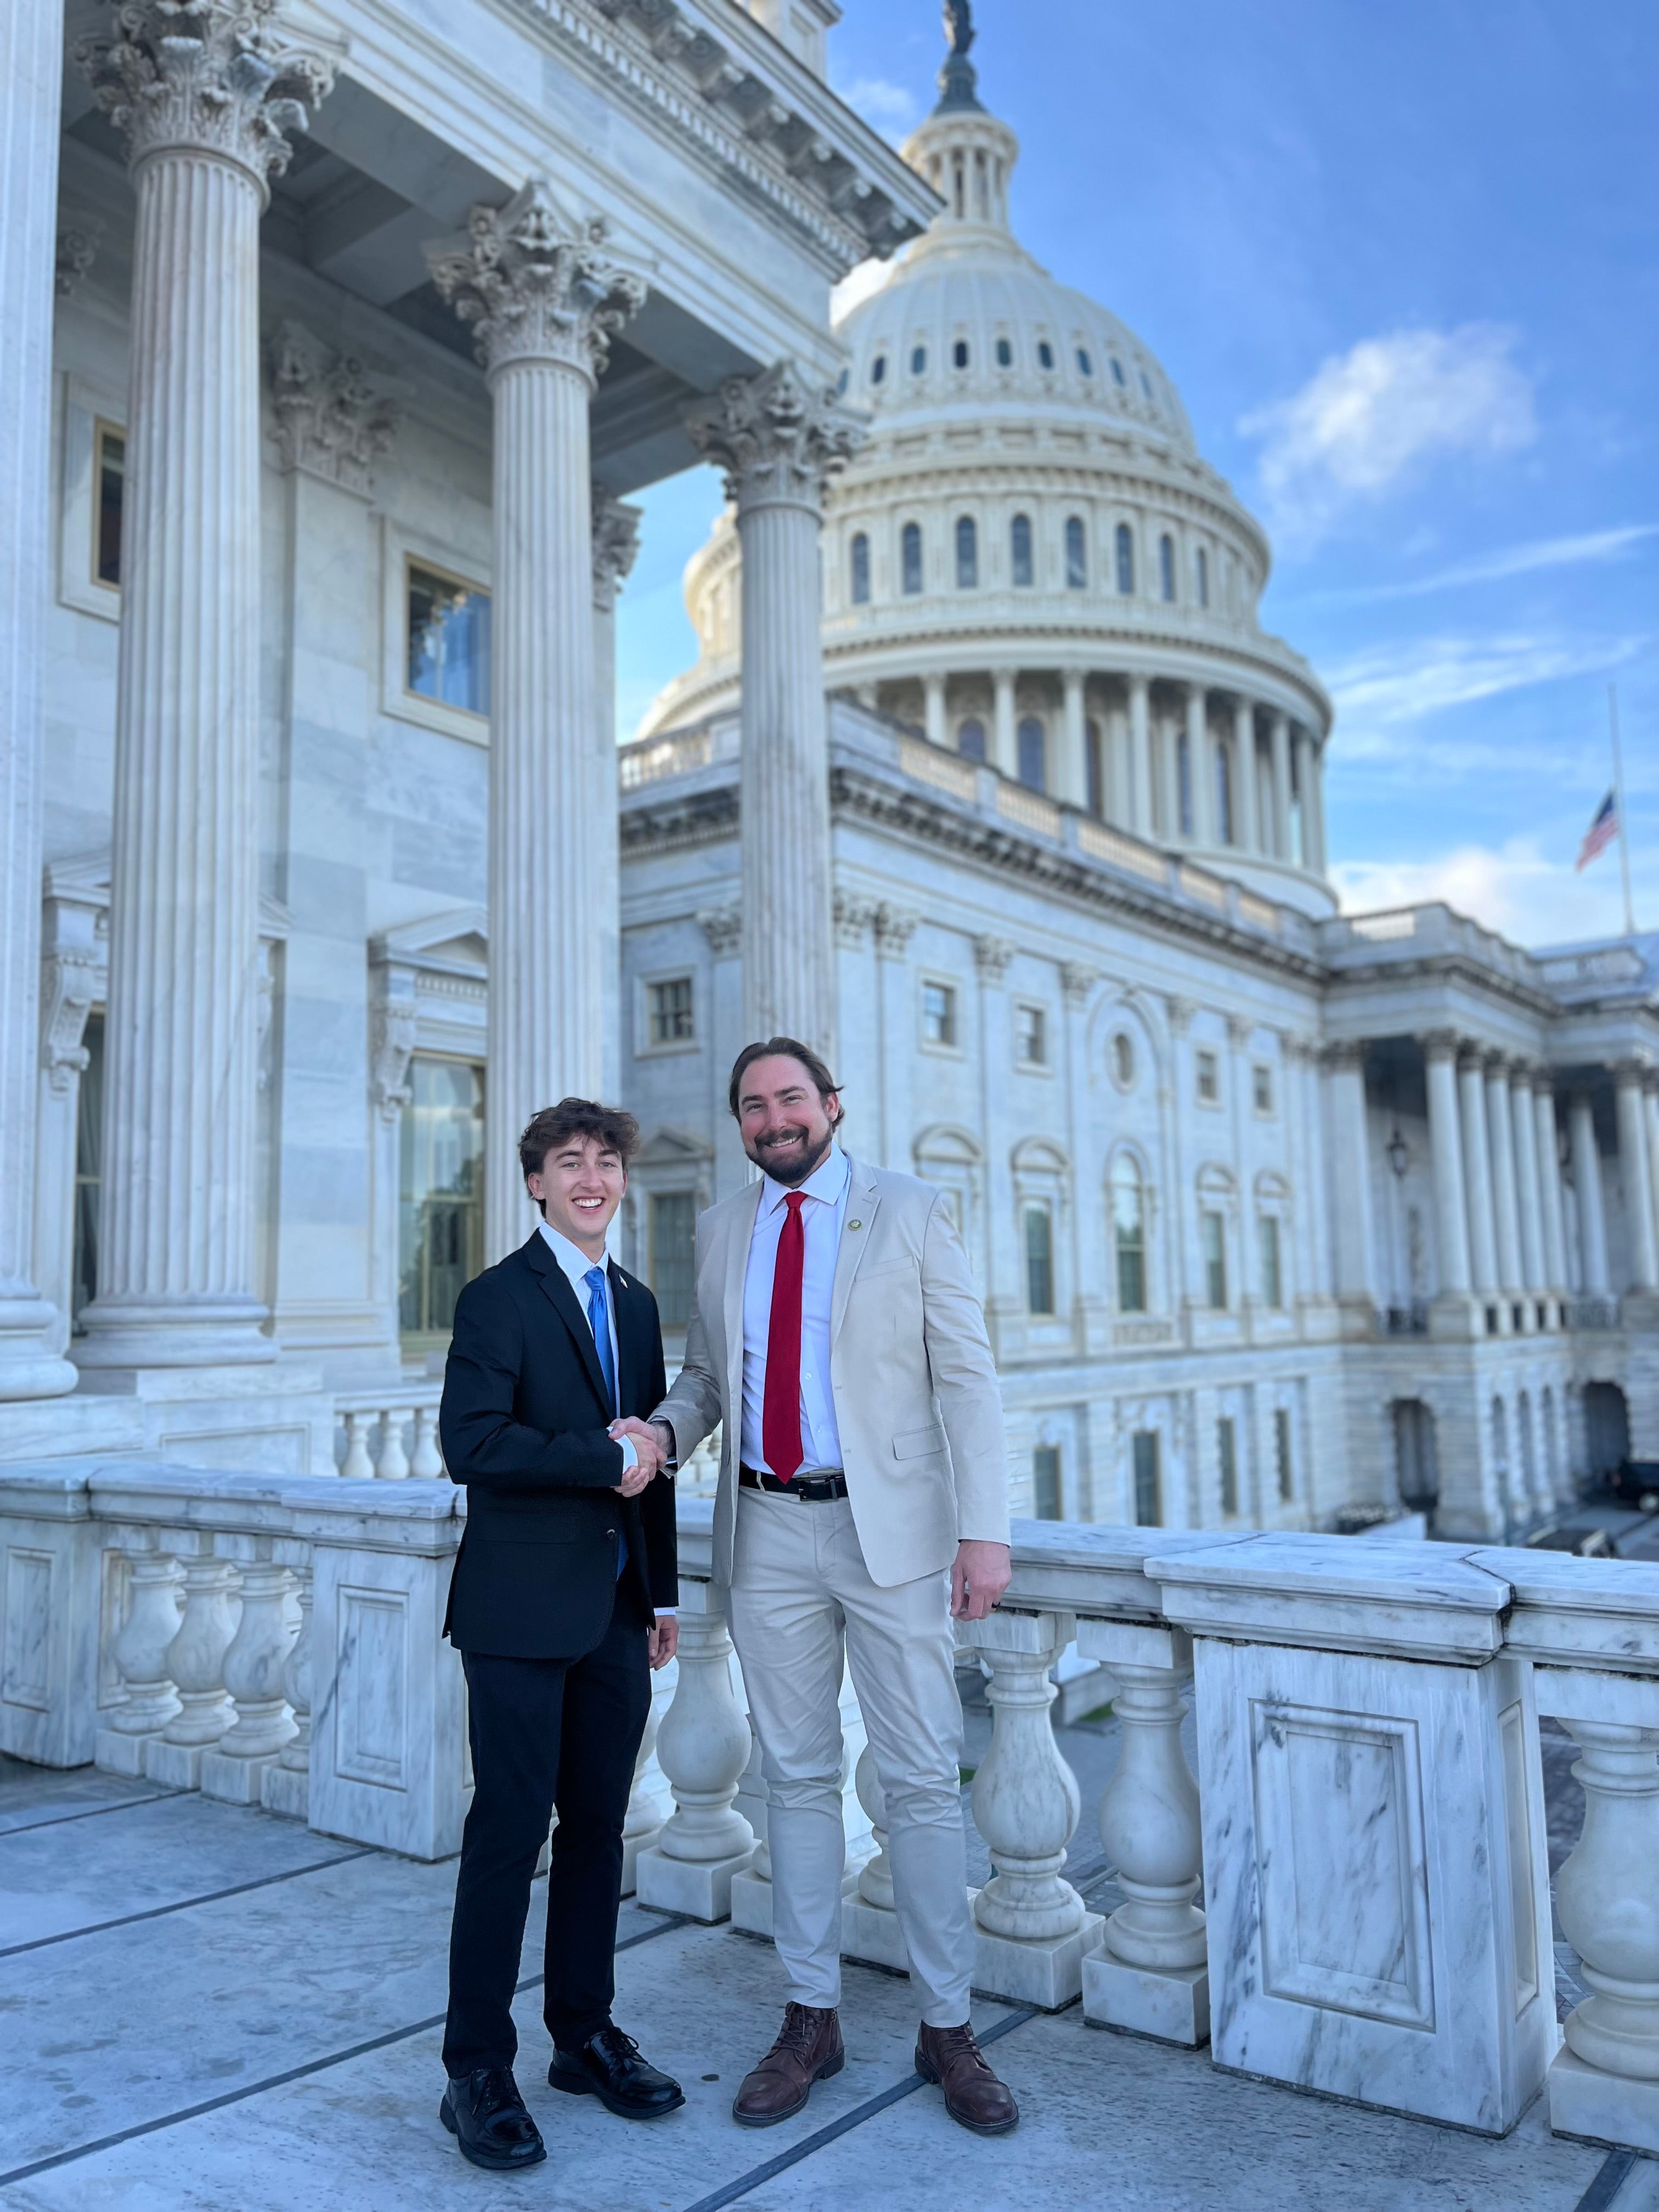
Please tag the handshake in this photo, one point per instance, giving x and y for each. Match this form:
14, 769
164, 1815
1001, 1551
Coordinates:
654, 1444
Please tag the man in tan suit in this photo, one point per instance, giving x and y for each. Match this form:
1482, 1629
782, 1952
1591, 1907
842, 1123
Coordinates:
863, 1502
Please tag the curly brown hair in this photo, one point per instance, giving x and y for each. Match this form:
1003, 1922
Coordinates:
553, 1126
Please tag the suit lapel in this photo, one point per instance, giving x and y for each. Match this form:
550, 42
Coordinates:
740, 1234
556, 1286
862, 1200
626, 1303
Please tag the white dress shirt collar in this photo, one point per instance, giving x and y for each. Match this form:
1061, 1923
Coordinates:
574, 1261
827, 1180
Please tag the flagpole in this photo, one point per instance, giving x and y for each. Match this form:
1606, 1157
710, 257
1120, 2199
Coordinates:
1619, 800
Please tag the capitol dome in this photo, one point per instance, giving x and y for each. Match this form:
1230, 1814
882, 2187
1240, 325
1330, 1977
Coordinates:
1030, 562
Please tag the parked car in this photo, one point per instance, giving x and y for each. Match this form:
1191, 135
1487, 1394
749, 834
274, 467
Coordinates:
1635, 1482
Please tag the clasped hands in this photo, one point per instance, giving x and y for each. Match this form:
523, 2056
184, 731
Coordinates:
648, 1441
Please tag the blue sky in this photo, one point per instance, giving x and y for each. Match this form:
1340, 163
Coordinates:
1402, 263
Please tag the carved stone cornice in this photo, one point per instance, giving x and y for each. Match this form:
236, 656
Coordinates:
72, 981
723, 926
616, 547
209, 76
776, 439
535, 284
334, 417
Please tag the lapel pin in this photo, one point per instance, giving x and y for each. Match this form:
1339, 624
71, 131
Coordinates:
855, 1224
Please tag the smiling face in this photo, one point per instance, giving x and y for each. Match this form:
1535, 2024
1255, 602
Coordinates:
579, 1189
786, 1128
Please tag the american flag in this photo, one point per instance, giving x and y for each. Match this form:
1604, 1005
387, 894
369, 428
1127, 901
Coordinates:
1601, 832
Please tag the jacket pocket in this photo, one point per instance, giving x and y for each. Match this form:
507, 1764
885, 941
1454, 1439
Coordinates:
916, 1443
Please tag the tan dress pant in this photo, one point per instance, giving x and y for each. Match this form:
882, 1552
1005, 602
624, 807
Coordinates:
801, 1600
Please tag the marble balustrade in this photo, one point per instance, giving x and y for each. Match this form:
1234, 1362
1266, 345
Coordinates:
1350, 1895
389, 1433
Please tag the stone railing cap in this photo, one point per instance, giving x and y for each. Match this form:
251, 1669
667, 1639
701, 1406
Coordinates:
1568, 1612
1404, 1573
48, 1490
1099, 1572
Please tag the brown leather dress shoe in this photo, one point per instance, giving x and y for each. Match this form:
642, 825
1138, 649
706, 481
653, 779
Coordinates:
808, 2049
973, 2095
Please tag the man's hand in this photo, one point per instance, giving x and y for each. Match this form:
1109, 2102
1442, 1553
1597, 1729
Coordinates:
663, 1641
649, 1456
979, 1575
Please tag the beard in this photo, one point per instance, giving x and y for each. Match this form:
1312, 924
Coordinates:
789, 1164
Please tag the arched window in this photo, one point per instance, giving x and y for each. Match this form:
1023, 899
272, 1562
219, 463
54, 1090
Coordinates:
878, 368
918, 359
967, 553
1033, 751
1039, 1260
960, 354
1020, 548
1084, 362
861, 569
1045, 353
1118, 376
970, 739
1201, 566
1077, 554
1125, 543
1166, 566
910, 555
1004, 354
1129, 1235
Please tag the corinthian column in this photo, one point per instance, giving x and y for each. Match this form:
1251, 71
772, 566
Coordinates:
778, 441
1446, 1149
1477, 1171
202, 95
616, 543
1549, 1180
29, 1365
1635, 1174
543, 301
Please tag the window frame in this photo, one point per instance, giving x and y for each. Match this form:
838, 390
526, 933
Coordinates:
1152, 1438
1053, 1453
911, 534
1212, 1233
857, 569
654, 1199
1077, 553
1140, 1254
1042, 1063
1026, 728
1270, 1253
1283, 1456
84, 411
1033, 1210
950, 1046
460, 561
1226, 1453
413, 1342
1206, 1067
1166, 569
647, 1047
1123, 560
1261, 1078
1020, 526
965, 541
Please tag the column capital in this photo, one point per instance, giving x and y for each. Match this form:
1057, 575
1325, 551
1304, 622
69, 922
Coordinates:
852, 917
895, 927
1077, 981
1441, 1044
78, 249
990, 958
1543, 1080
1629, 1073
1349, 1053
723, 926
1181, 1012
334, 417
207, 76
776, 438
535, 283
616, 546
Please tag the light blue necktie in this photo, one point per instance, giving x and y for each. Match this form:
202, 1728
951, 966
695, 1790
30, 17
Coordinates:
598, 1319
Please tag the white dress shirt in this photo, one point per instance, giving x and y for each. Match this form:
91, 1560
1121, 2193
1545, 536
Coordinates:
822, 1218
576, 1263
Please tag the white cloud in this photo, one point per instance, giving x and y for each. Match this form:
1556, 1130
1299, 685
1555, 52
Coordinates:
1524, 560
1513, 889
1368, 419
888, 107
856, 287
1389, 686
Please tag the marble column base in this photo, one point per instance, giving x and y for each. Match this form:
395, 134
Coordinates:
175, 1765
235, 1781
751, 1904
1605, 2108
1047, 1974
285, 1791
1170, 2008
700, 1889
873, 1933
632, 1846
121, 1755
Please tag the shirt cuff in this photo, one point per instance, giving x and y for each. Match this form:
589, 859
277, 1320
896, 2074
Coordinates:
630, 1455
660, 1609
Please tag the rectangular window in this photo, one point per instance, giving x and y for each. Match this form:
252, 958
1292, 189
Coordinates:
1282, 1455
440, 1196
1149, 1500
108, 487
448, 640
1209, 1079
671, 1229
668, 1011
1031, 1036
88, 1168
1214, 1228
939, 1014
1045, 1483
1262, 1088
1273, 1280
1226, 1449
1039, 1261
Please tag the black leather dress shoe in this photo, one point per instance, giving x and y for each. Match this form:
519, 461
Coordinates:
608, 2066
488, 2119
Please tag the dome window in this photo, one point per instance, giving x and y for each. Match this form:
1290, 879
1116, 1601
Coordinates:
918, 359
970, 739
1033, 754
1146, 384
1077, 554
1045, 353
1084, 362
861, 557
878, 369
1166, 566
1004, 354
1118, 377
959, 353
1201, 570
967, 554
910, 556
841, 381
1126, 559
1019, 550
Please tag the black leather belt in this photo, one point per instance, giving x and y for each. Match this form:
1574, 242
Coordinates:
815, 1489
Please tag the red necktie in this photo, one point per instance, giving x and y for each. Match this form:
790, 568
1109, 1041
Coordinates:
781, 1403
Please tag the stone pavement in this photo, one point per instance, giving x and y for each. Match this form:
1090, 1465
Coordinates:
205, 2009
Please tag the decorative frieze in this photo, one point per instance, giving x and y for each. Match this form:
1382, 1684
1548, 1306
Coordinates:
334, 417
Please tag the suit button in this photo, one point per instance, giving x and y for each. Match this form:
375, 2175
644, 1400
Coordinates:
610, 1532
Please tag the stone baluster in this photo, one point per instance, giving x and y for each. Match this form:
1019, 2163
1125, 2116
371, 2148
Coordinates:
702, 1747
254, 1675
139, 1653
285, 1788
778, 440
1150, 1973
203, 96
870, 1927
357, 1466
643, 1822
392, 1466
533, 280
426, 1460
196, 1664
1032, 1927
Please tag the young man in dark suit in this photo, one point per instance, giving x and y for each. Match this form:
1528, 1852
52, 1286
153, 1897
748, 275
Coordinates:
560, 1602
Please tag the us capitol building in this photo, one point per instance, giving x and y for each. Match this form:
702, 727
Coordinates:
339, 346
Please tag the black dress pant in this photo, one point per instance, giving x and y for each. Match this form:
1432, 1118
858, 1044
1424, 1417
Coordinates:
544, 1733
